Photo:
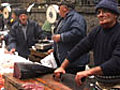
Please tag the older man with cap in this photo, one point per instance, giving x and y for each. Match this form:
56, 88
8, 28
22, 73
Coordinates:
70, 29
24, 34
104, 40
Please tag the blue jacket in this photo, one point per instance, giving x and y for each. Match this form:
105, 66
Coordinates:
72, 30
17, 39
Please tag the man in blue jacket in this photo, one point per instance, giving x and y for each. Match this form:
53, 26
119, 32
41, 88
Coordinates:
71, 28
104, 40
23, 35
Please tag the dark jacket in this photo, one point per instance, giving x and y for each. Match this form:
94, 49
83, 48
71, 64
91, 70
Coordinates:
17, 38
106, 47
1, 22
72, 30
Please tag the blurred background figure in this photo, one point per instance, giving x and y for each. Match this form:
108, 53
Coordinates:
23, 35
47, 30
13, 17
11, 20
1, 19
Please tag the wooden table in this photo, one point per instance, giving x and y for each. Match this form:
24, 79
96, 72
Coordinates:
48, 82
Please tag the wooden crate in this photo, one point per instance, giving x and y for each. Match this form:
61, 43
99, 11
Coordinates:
36, 56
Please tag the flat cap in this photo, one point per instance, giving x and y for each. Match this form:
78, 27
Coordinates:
68, 3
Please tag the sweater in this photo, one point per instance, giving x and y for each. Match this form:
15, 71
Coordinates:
106, 48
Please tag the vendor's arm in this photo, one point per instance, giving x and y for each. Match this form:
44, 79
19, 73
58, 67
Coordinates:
112, 66
61, 69
83, 74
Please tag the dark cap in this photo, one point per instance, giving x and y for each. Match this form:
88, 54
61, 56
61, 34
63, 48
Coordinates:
16, 11
111, 5
68, 3
22, 11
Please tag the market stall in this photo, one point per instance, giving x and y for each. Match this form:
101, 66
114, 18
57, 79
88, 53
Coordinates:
7, 81
7, 64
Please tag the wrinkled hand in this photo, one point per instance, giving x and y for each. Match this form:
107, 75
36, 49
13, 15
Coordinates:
10, 52
80, 76
56, 37
2, 37
50, 51
58, 72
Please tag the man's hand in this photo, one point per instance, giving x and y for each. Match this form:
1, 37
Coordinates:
56, 37
58, 72
10, 52
80, 76
2, 37
50, 51
61, 69
93, 71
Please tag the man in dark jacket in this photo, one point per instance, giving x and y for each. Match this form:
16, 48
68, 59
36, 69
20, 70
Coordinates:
104, 40
24, 34
71, 28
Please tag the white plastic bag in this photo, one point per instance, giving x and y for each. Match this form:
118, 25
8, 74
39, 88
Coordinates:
49, 61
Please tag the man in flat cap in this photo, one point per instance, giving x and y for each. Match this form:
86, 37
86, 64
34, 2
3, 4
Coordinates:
24, 34
104, 40
70, 29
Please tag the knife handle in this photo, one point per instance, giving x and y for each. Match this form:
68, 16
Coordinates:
83, 79
57, 78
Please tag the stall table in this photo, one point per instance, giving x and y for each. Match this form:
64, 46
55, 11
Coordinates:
47, 81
